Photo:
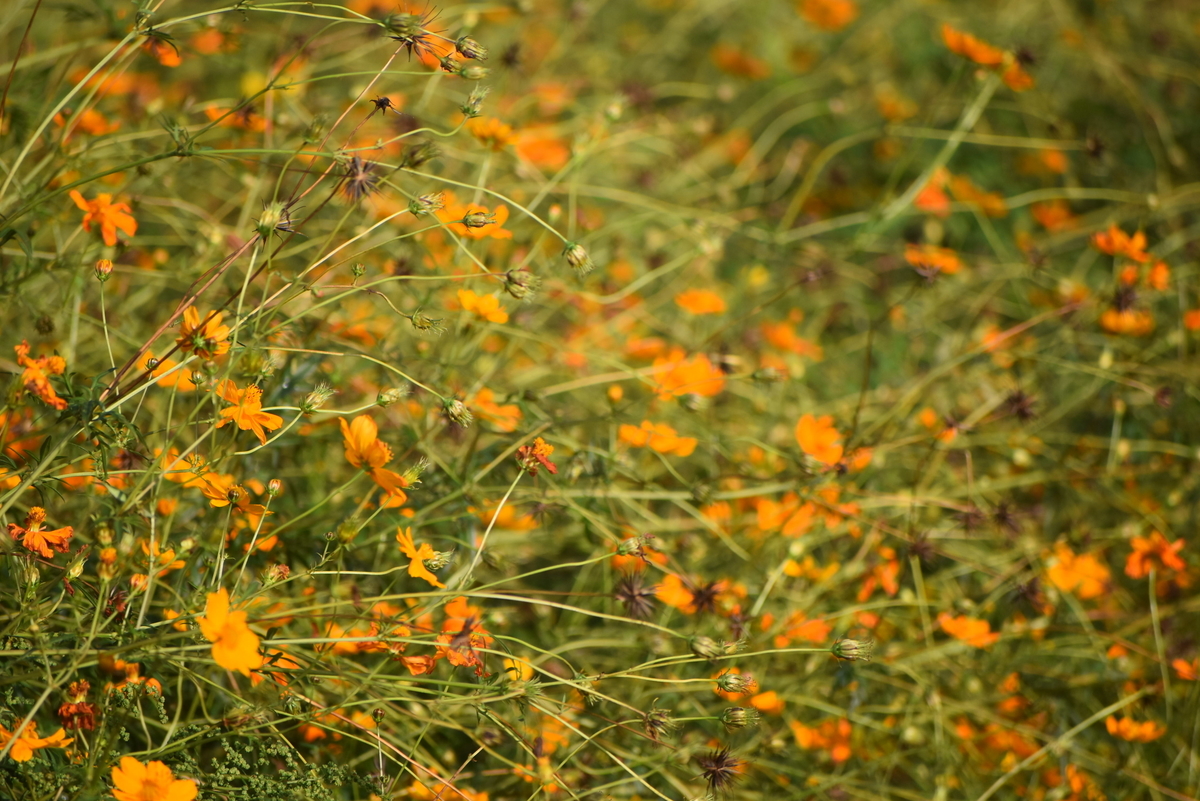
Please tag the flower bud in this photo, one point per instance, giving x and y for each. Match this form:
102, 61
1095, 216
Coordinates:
426, 324
706, 647
473, 72
316, 399
391, 395
274, 487
579, 259
740, 683
417, 156
276, 573
103, 270
736, 717
469, 48
471, 108
658, 722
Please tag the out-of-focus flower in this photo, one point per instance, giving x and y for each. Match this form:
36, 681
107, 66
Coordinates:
143, 781
235, 646
36, 376
110, 216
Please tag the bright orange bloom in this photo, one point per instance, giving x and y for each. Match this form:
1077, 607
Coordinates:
1153, 553
532, 457
36, 376
676, 375
539, 146
1131, 730
208, 339
505, 417
932, 197
1084, 575
930, 260
33, 537
89, 121
797, 627
1116, 242
972, 631
485, 307
22, 750
1133, 322
700, 301
161, 51
829, 15
149, 781
1191, 319
491, 132
1188, 671
1159, 276
831, 735
967, 46
363, 449
166, 374
417, 556
659, 437
1016, 78
733, 61
819, 439
235, 646
769, 703
108, 215
247, 410
1054, 215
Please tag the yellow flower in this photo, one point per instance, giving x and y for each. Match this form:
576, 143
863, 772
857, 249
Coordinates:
235, 646
247, 410
149, 781
207, 339
485, 307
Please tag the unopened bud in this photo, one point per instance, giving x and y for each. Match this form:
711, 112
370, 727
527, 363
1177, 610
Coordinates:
473, 72
103, 270
739, 683
426, 324
391, 395
706, 647
474, 103
276, 573
420, 154
274, 487
850, 650
316, 399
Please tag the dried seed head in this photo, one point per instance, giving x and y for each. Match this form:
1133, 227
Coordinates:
276, 218
413, 474
579, 259
391, 395
411, 31
469, 48
425, 324
736, 717
720, 769
851, 650
521, 284
427, 204
740, 683
474, 103
658, 722
420, 154
316, 399
360, 180
637, 598
706, 647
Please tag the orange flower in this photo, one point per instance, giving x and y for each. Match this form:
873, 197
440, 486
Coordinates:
989, 203
700, 301
932, 197
930, 260
769, 703
678, 376
485, 307
1153, 553
1159, 276
363, 449
162, 51
531, 457
1191, 319
1188, 671
207, 339
743, 65
1085, 575
149, 781
247, 410
972, 631
799, 627
505, 417
540, 147
967, 46
24, 746
819, 439
1116, 242
659, 437
1134, 322
164, 370
417, 556
491, 132
36, 377
831, 735
235, 646
829, 15
110, 216
1131, 730
1054, 215
1016, 78
33, 537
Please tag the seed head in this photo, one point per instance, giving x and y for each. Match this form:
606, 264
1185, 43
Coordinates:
469, 48
391, 395
521, 284
360, 180
411, 31
478, 219
457, 411
849, 649
740, 683
427, 204
471, 108
420, 154
720, 769
579, 259
736, 717
706, 647
658, 722
316, 399
426, 324
635, 596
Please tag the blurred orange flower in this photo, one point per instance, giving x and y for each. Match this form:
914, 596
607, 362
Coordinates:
491, 132
818, 438
700, 301
829, 15
967, 46
504, 417
1084, 575
972, 631
110, 216
139, 781
735, 62
1054, 215
930, 259
1116, 242
676, 375
36, 375
659, 437
1131, 730
1153, 553
235, 646
166, 374
485, 307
